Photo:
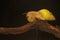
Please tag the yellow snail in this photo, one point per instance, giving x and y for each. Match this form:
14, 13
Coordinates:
42, 14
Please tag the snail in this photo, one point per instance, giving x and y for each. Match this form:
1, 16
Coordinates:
42, 14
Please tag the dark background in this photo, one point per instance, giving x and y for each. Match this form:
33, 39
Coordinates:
12, 16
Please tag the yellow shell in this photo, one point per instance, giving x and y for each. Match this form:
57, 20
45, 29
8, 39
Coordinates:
46, 14
39, 16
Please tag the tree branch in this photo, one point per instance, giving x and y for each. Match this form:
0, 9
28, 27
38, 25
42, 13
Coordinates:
46, 27
16, 30
41, 25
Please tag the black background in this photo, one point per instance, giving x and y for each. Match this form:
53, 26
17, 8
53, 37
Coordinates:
12, 14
